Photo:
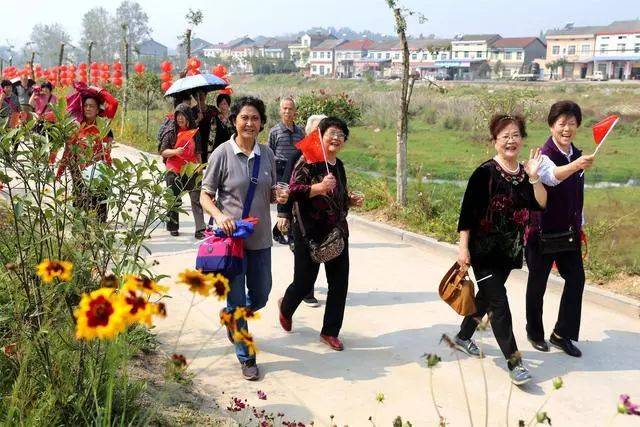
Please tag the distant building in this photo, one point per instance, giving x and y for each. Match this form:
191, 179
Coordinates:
469, 56
349, 54
151, 49
575, 46
274, 48
516, 54
617, 50
322, 61
300, 52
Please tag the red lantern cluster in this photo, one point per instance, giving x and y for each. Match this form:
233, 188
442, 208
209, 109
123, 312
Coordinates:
193, 66
221, 71
165, 76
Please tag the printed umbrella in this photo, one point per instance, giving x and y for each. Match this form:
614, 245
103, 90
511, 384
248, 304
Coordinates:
196, 83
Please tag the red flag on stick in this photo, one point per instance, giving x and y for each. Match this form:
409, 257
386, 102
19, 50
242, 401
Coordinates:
602, 129
312, 148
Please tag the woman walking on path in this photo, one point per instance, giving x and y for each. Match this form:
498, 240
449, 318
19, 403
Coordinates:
225, 186
176, 157
555, 235
323, 202
42, 99
492, 222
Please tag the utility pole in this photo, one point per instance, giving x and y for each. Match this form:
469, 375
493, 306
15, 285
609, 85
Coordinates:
33, 74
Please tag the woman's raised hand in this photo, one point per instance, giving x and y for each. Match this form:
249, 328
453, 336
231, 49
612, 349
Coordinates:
328, 183
533, 164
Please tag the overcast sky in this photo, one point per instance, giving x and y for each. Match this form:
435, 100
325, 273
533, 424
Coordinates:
225, 20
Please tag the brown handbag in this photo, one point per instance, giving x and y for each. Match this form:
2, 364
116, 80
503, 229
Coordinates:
457, 290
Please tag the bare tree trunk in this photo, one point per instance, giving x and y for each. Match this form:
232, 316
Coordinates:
146, 118
126, 83
1, 65
89, 61
187, 43
33, 74
60, 57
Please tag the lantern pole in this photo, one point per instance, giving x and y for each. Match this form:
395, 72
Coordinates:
89, 61
60, 63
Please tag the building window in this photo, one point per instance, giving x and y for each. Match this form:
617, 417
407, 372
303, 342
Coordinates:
414, 56
479, 54
455, 55
315, 55
603, 48
637, 48
605, 38
507, 56
321, 55
379, 55
328, 55
572, 50
555, 50
348, 55
585, 49
396, 56
387, 55
322, 69
466, 53
443, 56
621, 47
622, 37
315, 68
519, 56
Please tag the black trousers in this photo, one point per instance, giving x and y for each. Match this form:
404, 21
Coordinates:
305, 273
178, 184
492, 299
571, 270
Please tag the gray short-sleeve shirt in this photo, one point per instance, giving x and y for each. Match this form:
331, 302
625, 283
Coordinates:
227, 180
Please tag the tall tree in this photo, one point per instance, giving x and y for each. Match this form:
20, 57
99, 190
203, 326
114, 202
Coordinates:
98, 26
46, 40
408, 80
136, 20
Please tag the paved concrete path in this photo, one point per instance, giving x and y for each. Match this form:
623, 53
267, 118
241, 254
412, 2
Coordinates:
393, 317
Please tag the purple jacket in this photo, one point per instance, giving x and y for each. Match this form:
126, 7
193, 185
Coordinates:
565, 200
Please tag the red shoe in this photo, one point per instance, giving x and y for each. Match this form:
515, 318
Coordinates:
286, 324
333, 342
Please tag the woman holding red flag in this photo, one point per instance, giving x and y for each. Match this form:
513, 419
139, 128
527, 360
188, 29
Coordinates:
321, 204
555, 235
178, 149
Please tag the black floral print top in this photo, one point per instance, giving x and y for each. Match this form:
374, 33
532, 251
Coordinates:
320, 213
495, 210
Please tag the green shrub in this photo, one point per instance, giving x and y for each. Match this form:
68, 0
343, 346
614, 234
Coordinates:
322, 102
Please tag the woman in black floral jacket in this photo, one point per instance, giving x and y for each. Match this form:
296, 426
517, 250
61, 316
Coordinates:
493, 217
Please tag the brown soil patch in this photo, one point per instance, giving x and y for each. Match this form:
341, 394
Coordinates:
624, 284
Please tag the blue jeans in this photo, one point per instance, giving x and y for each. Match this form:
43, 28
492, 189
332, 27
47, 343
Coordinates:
256, 276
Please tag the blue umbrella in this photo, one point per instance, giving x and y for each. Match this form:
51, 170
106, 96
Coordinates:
196, 83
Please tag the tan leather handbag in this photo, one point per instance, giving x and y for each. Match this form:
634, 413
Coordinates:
457, 290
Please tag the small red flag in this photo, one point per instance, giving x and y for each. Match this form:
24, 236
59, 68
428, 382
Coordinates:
603, 128
311, 147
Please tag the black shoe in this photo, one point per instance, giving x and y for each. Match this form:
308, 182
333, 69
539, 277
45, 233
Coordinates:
565, 345
250, 370
311, 301
174, 233
539, 345
199, 235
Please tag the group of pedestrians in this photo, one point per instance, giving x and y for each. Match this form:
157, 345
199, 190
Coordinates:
533, 208
510, 210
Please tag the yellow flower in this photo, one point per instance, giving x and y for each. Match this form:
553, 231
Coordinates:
159, 309
48, 270
246, 338
220, 286
144, 284
197, 281
101, 314
139, 309
226, 319
245, 313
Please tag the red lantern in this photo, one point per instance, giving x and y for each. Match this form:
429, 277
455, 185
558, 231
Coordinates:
82, 72
83, 79
106, 75
117, 74
72, 68
165, 77
219, 70
94, 65
82, 66
117, 81
105, 67
139, 68
166, 85
166, 66
194, 63
227, 91
117, 66
63, 67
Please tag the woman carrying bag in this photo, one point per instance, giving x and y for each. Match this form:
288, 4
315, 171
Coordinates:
494, 213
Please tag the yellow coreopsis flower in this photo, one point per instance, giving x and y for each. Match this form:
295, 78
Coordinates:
220, 286
246, 338
144, 284
139, 309
245, 313
101, 314
197, 281
48, 270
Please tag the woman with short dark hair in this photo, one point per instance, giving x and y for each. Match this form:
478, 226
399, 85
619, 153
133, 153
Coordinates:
555, 235
493, 216
223, 128
322, 202
225, 189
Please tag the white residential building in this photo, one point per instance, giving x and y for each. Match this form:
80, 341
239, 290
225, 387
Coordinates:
617, 50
